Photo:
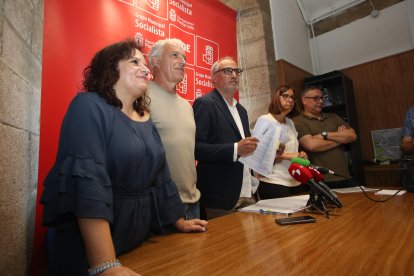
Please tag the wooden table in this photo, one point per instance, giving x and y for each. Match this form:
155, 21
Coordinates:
361, 238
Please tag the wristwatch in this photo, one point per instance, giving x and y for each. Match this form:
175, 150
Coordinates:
325, 135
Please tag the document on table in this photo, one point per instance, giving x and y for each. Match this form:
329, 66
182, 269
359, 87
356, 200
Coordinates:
390, 192
270, 136
283, 205
354, 190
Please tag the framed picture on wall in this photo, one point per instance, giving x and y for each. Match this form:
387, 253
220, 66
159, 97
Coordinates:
386, 143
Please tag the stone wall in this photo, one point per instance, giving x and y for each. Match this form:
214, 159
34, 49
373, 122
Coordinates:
21, 34
255, 55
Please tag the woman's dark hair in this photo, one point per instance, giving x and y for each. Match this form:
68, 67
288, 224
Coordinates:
102, 73
275, 106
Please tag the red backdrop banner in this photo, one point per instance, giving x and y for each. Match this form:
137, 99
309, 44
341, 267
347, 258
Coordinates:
75, 30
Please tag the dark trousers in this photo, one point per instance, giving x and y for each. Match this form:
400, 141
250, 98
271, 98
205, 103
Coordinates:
269, 190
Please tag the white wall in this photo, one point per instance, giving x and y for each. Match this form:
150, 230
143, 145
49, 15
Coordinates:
410, 12
365, 39
290, 34
361, 41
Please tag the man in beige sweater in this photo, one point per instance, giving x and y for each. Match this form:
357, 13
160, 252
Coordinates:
174, 119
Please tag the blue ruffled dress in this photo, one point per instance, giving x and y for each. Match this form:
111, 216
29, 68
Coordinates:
111, 167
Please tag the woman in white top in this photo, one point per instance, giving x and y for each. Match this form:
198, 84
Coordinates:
280, 183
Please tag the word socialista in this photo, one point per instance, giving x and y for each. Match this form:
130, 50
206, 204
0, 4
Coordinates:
181, 6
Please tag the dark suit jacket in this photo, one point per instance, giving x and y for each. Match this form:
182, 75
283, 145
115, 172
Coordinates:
219, 179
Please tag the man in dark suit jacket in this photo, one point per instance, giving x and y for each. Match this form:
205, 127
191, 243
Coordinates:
222, 136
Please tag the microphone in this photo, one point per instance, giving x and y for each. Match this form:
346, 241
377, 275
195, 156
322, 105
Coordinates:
301, 161
318, 177
299, 173
326, 171
304, 175
306, 163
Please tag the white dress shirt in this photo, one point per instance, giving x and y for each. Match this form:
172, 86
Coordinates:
246, 190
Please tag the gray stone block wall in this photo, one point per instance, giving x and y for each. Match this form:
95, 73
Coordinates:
255, 55
21, 35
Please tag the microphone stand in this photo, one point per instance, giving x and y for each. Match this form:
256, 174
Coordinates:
315, 203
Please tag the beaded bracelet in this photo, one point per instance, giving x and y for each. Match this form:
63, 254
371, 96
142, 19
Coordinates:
93, 271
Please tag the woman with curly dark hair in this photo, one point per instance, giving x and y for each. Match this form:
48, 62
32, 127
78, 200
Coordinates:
110, 186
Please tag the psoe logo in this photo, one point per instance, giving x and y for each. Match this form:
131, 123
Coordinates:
207, 51
183, 86
153, 4
186, 88
208, 55
139, 38
173, 15
157, 8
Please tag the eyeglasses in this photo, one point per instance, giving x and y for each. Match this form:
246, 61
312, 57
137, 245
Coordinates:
316, 98
229, 71
287, 96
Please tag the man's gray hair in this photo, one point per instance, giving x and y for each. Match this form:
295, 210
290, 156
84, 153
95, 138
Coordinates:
215, 65
158, 47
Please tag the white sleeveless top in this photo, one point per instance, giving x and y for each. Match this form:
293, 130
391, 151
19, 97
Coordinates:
280, 174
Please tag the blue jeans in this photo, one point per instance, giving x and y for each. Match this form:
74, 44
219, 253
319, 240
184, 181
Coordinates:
192, 210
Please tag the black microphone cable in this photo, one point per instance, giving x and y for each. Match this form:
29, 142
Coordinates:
379, 200
374, 199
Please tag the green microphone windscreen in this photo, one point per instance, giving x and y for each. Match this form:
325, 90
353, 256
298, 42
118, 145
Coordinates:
300, 161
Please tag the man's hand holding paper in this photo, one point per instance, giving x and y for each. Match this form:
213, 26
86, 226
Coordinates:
271, 137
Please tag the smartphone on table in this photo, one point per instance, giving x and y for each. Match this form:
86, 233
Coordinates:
295, 220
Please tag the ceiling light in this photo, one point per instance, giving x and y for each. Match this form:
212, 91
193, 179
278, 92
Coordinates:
374, 12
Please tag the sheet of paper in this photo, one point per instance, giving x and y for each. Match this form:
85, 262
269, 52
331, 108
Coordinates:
390, 192
269, 135
283, 205
353, 190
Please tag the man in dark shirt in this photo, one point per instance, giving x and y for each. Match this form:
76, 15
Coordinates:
323, 136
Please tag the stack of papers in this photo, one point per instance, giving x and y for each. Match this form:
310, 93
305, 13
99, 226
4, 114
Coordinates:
358, 189
283, 205
390, 192
353, 190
